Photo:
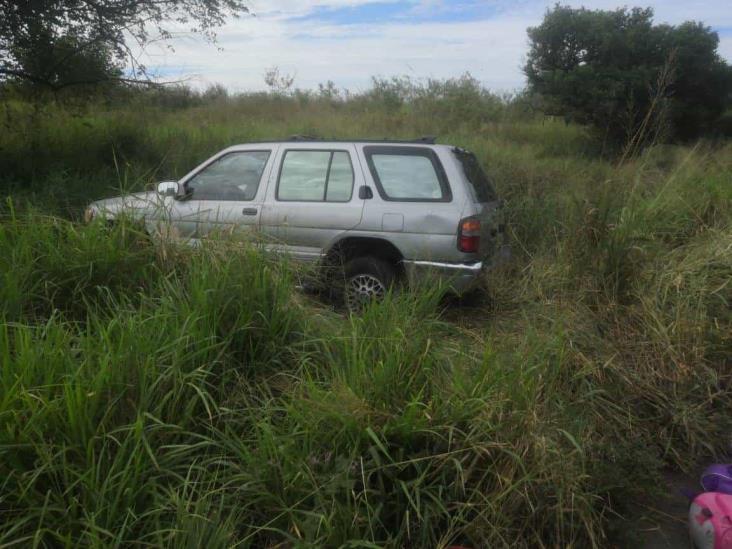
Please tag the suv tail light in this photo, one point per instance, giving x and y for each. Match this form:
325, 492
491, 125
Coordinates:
469, 235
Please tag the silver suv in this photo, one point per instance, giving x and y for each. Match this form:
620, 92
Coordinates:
382, 211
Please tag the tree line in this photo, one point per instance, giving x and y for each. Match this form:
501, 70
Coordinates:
634, 82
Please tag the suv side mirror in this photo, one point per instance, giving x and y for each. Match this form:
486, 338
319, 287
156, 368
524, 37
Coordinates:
168, 188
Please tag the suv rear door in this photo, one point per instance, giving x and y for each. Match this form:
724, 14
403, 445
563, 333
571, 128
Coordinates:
489, 208
313, 198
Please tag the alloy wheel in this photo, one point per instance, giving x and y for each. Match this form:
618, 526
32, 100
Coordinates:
362, 289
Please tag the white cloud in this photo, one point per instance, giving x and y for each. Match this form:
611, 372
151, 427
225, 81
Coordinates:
295, 8
725, 48
492, 49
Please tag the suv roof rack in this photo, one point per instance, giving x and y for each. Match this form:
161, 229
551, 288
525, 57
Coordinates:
301, 137
426, 139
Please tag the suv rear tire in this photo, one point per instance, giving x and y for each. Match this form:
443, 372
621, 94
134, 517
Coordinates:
367, 279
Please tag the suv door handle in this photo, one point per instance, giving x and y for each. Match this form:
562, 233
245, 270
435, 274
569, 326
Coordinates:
249, 211
365, 192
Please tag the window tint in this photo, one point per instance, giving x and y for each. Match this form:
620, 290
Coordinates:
483, 189
407, 174
316, 176
234, 176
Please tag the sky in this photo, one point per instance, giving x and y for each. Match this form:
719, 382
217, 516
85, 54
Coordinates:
349, 41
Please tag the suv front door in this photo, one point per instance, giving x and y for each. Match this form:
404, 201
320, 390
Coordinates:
227, 192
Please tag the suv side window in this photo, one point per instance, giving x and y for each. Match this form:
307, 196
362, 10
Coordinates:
315, 176
234, 176
408, 174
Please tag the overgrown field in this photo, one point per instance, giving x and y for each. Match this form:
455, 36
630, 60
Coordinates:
161, 395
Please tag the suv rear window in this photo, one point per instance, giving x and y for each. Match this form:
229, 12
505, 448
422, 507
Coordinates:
408, 174
483, 188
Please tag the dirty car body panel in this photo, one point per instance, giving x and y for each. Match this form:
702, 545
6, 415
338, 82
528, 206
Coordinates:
428, 210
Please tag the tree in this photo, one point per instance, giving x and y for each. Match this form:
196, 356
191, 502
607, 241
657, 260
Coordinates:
278, 83
62, 61
60, 43
628, 78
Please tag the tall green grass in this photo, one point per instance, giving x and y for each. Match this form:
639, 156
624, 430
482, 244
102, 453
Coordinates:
162, 395
209, 404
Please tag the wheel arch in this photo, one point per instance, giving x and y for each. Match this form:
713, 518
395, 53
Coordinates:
350, 247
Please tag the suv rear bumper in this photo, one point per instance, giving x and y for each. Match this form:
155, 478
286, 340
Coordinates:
460, 277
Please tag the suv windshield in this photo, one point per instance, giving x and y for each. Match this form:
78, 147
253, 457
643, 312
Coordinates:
482, 186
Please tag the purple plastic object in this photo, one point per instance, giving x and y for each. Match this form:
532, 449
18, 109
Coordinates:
717, 478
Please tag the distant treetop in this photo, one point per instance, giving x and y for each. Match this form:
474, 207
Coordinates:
632, 80
59, 43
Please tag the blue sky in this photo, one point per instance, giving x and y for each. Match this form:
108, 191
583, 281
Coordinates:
379, 11
348, 41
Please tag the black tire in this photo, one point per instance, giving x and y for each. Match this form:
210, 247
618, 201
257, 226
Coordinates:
365, 279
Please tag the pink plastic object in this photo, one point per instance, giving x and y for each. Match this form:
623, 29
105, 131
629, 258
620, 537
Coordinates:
710, 521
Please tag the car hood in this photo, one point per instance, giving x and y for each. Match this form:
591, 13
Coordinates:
133, 204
